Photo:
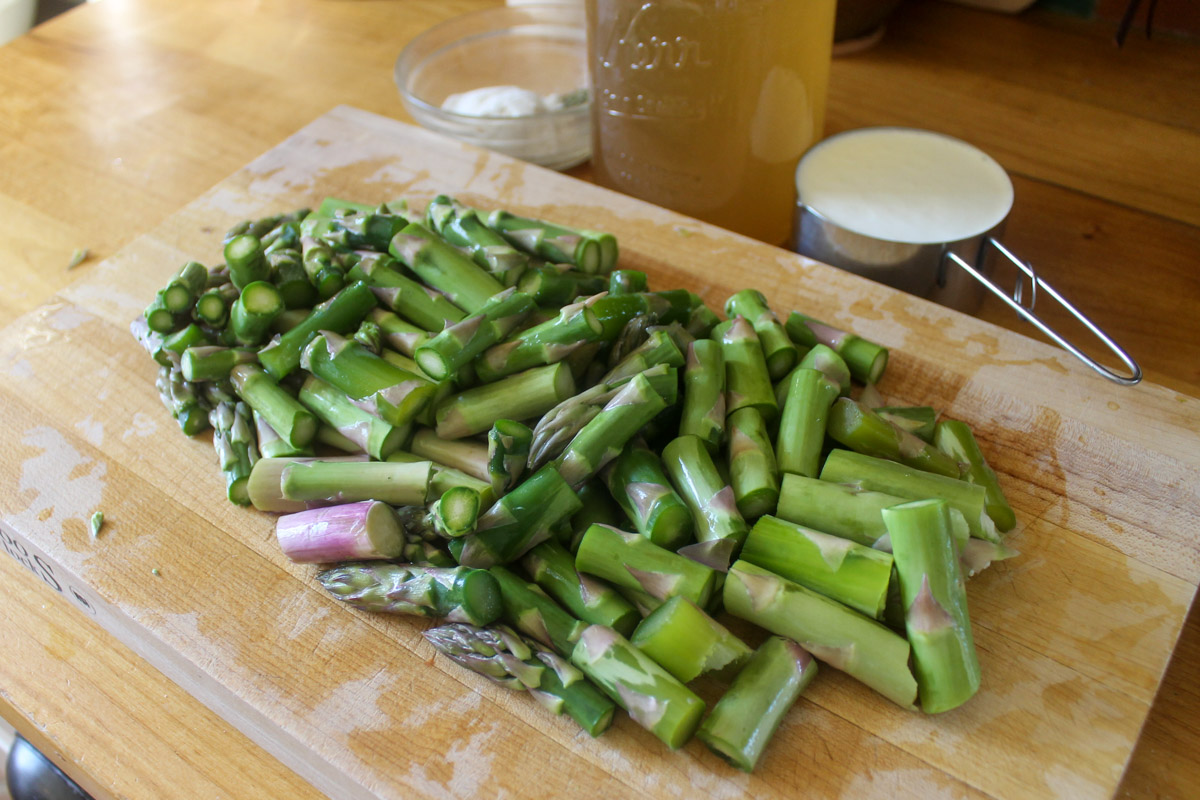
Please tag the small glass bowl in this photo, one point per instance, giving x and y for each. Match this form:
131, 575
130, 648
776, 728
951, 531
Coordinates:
542, 48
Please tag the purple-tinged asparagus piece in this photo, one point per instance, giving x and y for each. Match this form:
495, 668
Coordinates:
366, 530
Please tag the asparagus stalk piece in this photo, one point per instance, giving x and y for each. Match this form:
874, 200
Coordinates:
839, 636
826, 361
552, 568
397, 333
341, 313
658, 348
920, 421
443, 355
781, 355
935, 604
408, 298
522, 396
187, 337
271, 444
627, 281
443, 267
863, 431
456, 512
458, 594
367, 432
844, 510
645, 603
461, 226
265, 485
889, 477
151, 342
499, 653
360, 228
742, 722
546, 343
508, 454
633, 561
518, 521
802, 425
688, 642
326, 274
370, 336
711, 500
852, 574
159, 317
394, 395
641, 488
354, 531
602, 439
747, 382
333, 482
753, 471
633, 335
180, 293
614, 312
263, 226
653, 698
467, 456
704, 393
212, 306
246, 261
561, 424
233, 439
535, 614
590, 251
291, 278
421, 553
213, 363
956, 440
597, 507
444, 478
180, 398
701, 320
441, 389
550, 285
292, 421
866, 360
289, 318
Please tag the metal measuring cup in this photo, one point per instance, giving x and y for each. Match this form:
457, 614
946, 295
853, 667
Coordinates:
953, 273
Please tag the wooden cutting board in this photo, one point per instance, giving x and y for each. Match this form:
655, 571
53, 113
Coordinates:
1073, 635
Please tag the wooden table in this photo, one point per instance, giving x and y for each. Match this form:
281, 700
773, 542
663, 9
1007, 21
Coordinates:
116, 114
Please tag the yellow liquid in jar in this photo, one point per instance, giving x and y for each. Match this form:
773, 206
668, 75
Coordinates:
705, 106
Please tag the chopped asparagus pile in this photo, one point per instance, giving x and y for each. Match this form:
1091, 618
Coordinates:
479, 417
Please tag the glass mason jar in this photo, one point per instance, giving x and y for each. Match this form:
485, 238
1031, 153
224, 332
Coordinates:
705, 106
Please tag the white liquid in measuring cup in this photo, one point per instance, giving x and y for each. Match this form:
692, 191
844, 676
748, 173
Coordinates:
904, 185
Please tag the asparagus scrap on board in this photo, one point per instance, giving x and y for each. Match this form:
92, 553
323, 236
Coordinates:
486, 419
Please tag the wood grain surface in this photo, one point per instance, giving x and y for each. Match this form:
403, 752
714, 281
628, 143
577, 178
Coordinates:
115, 115
1074, 636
